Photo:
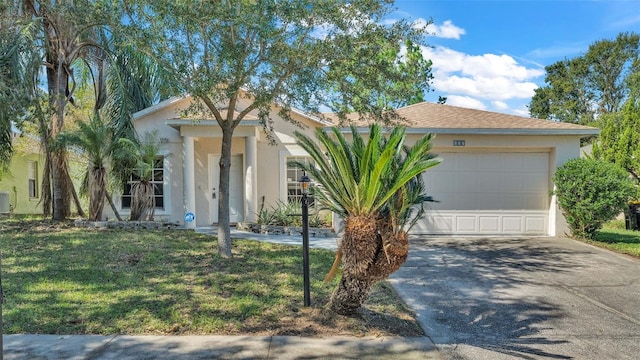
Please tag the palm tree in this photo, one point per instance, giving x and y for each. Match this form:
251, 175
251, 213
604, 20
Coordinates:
140, 159
97, 144
19, 59
375, 186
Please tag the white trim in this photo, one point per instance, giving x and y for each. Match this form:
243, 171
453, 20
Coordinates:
166, 188
250, 165
292, 151
176, 123
157, 107
188, 180
176, 99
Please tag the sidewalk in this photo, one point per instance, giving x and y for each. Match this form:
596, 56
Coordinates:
314, 242
93, 347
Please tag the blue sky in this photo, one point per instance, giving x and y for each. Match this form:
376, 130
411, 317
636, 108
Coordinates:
491, 55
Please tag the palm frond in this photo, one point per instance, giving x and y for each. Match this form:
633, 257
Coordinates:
381, 175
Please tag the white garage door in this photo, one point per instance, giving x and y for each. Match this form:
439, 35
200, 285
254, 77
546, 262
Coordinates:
487, 193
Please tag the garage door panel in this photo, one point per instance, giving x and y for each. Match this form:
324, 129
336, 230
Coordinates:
435, 224
465, 183
536, 182
466, 163
489, 181
489, 201
487, 162
466, 224
489, 224
535, 224
488, 193
536, 202
510, 182
483, 222
512, 225
511, 161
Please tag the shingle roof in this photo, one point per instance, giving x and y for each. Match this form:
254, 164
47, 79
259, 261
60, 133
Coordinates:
430, 115
440, 118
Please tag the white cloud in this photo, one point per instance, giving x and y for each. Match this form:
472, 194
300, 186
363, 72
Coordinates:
447, 30
500, 105
492, 77
522, 111
466, 102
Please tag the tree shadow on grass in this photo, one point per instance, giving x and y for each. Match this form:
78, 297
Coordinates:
154, 282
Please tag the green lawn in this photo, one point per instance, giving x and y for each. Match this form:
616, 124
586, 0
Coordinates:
63, 280
614, 236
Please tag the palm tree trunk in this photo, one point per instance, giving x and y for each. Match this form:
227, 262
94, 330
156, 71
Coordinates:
61, 204
46, 187
58, 82
371, 251
97, 184
358, 248
350, 294
76, 199
142, 201
113, 206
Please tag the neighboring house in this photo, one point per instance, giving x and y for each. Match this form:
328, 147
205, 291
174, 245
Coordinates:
495, 177
21, 184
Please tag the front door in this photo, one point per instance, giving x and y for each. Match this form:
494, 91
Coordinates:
236, 193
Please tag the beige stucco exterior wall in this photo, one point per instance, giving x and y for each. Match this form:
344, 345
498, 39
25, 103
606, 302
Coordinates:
271, 157
207, 142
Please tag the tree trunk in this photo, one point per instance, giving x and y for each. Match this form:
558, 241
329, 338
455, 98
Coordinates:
97, 185
350, 294
142, 201
74, 194
61, 194
371, 251
224, 226
113, 206
46, 186
58, 81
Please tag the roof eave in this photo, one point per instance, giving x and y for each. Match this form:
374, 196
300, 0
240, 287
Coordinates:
157, 107
485, 131
177, 123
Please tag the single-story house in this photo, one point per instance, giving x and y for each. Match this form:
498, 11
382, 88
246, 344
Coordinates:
495, 177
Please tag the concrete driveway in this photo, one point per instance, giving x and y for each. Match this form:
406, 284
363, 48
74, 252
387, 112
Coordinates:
526, 298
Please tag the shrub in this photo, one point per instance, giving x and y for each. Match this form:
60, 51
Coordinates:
590, 193
290, 214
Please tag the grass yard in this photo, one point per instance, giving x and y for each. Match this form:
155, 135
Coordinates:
58, 279
613, 236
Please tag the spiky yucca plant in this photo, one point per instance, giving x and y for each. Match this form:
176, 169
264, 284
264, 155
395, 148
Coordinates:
375, 185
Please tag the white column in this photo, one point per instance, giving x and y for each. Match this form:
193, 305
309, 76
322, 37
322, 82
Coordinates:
251, 178
188, 176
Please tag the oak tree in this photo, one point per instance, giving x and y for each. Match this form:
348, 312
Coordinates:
304, 54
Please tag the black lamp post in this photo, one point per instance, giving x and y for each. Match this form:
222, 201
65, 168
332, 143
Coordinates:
304, 184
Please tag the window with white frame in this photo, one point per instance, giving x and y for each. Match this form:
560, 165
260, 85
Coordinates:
157, 181
294, 189
32, 179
